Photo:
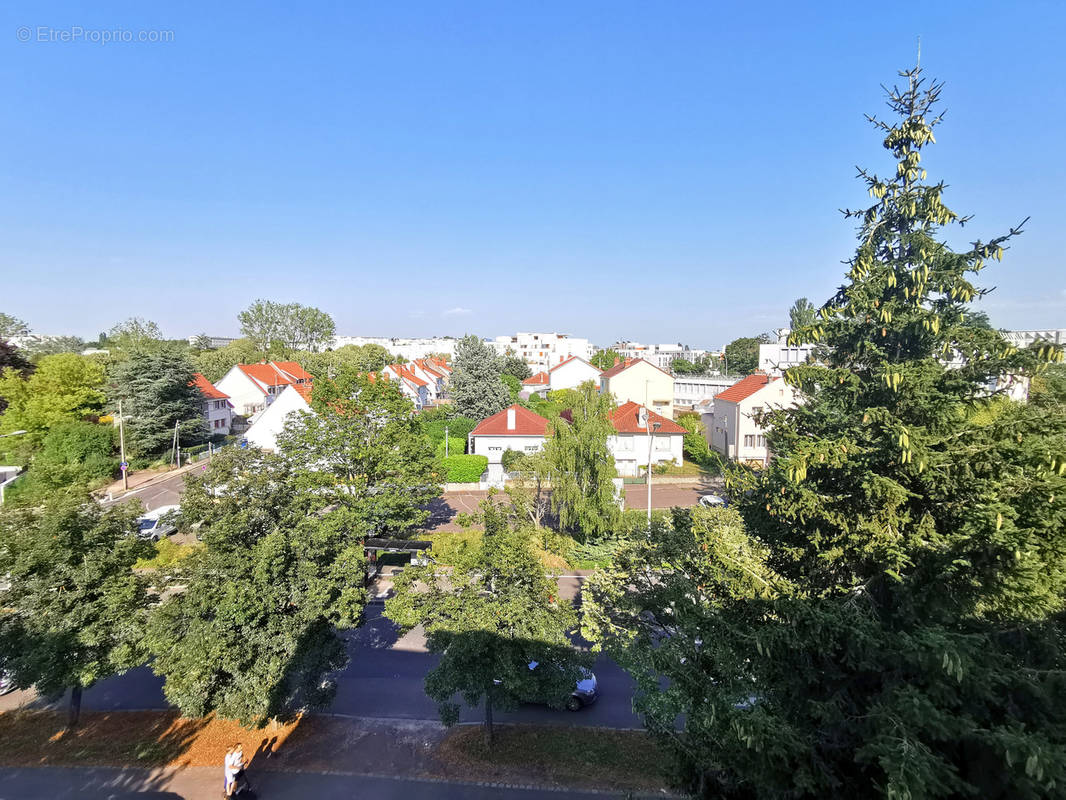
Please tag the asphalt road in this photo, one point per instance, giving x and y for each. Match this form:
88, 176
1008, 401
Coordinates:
383, 679
166, 492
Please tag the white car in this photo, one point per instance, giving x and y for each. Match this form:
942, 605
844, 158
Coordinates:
158, 522
712, 500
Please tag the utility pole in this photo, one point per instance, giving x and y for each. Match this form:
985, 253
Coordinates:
177, 445
445, 441
122, 449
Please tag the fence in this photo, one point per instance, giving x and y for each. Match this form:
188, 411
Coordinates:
199, 452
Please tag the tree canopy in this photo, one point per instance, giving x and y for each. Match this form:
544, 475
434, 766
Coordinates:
12, 326
888, 619
135, 334
289, 325
742, 355
75, 610
605, 359
475, 385
801, 314
513, 364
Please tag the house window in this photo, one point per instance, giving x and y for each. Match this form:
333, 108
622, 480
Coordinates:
749, 440
495, 449
662, 443
760, 441
532, 448
625, 442
220, 423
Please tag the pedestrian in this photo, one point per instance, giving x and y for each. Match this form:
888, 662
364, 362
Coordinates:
234, 769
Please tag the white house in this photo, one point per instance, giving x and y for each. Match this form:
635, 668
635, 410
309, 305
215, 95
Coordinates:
572, 373
411, 386
253, 387
775, 358
736, 434
643, 383
631, 446
216, 407
514, 428
293, 399
538, 384
693, 390
433, 373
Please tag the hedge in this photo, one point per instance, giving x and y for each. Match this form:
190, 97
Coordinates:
464, 469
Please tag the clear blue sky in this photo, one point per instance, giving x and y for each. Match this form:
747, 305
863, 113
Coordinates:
653, 171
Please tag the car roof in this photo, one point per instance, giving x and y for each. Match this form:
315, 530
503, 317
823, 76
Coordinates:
156, 513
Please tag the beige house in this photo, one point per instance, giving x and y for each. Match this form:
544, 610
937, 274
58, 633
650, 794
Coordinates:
636, 381
734, 432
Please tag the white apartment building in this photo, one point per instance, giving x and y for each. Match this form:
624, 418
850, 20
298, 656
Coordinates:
690, 390
735, 433
775, 358
659, 355
1022, 339
542, 351
411, 349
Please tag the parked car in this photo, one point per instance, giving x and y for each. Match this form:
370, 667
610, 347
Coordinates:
158, 522
712, 500
586, 690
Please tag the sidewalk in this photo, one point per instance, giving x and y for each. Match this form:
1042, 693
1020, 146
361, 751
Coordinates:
198, 783
142, 479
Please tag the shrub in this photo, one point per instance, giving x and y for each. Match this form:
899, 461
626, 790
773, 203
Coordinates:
458, 429
511, 459
463, 468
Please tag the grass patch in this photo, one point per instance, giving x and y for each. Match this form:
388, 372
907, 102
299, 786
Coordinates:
561, 755
449, 547
126, 738
687, 469
167, 554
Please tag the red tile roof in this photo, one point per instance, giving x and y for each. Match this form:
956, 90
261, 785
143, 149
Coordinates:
275, 373
526, 423
630, 362
574, 358
406, 373
540, 379
207, 389
294, 369
625, 419
427, 366
744, 388
304, 390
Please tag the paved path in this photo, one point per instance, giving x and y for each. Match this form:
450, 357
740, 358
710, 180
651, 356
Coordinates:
198, 783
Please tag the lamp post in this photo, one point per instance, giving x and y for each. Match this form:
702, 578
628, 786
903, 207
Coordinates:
652, 427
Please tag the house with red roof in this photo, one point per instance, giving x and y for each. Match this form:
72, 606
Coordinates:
291, 402
434, 374
216, 406
571, 373
638, 381
411, 385
735, 432
537, 384
514, 428
253, 387
642, 437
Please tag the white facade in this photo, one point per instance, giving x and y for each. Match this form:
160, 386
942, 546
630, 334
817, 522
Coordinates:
630, 451
219, 416
572, 373
247, 395
214, 342
661, 355
735, 433
775, 358
1022, 339
691, 390
264, 432
542, 351
410, 349
411, 386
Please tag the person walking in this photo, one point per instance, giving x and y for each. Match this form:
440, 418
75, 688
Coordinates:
234, 769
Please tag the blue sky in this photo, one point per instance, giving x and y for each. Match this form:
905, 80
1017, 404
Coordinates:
653, 171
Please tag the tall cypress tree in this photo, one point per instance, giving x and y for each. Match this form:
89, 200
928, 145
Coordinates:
898, 627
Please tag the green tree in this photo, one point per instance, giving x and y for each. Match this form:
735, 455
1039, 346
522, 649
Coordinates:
202, 342
74, 611
253, 635
72, 454
695, 444
135, 334
12, 358
901, 632
582, 468
62, 388
490, 617
512, 364
287, 325
330, 363
529, 491
214, 364
475, 385
682, 366
742, 355
605, 359
365, 449
157, 393
11, 327
802, 313
53, 345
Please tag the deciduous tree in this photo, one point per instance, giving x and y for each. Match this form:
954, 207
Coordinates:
74, 612
135, 334
286, 325
12, 326
801, 314
490, 618
742, 355
605, 359
62, 388
253, 635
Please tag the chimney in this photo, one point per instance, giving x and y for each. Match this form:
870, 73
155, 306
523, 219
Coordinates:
510, 419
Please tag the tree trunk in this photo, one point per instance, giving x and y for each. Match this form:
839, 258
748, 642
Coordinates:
74, 712
490, 734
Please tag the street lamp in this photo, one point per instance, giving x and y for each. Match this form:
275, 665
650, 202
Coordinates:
652, 427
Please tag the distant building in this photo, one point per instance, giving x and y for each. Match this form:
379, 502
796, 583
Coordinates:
659, 355
410, 349
216, 407
778, 356
214, 342
641, 382
1022, 339
253, 387
542, 351
691, 391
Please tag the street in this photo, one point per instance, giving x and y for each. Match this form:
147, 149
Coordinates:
384, 679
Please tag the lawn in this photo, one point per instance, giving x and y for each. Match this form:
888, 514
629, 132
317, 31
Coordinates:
167, 554
450, 546
560, 755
